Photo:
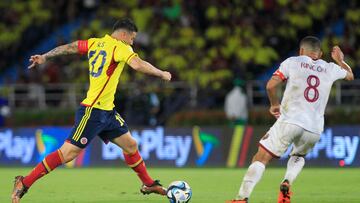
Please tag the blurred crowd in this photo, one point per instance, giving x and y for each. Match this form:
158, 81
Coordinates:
24, 24
204, 43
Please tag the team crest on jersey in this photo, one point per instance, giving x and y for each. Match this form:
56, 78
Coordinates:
83, 140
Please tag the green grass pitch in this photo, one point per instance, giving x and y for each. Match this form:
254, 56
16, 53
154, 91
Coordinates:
213, 185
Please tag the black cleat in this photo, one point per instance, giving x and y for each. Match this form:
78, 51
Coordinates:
156, 188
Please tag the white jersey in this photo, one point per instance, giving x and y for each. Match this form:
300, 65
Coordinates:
307, 90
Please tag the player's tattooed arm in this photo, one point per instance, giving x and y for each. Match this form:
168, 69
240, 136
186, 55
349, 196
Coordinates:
66, 49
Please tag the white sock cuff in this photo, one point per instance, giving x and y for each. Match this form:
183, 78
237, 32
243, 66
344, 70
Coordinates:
296, 159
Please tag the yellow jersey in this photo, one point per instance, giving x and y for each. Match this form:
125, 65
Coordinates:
107, 57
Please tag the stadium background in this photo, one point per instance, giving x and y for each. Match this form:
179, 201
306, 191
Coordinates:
208, 46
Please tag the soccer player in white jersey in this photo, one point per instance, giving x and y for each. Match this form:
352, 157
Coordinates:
300, 116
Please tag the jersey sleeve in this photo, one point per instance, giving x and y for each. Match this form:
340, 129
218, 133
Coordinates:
337, 72
123, 53
283, 70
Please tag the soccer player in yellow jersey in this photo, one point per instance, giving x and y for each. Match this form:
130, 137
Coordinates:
96, 116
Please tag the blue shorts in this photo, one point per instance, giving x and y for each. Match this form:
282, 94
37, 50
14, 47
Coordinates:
90, 122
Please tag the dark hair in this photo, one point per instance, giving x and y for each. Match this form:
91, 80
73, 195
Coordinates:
126, 24
311, 42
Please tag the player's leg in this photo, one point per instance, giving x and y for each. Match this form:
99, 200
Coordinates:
135, 161
118, 132
80, 136
296, 162
294, 166
132, 157
302, 145
254, 173
66, 153
272, 145
63, 155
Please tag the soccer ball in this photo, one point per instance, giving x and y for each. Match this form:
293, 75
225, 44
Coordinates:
179, 192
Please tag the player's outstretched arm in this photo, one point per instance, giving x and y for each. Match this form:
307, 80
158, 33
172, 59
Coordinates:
338, 57
70, 48
145, 67
271, 88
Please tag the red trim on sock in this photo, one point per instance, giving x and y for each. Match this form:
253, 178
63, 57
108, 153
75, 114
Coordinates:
131, 159
53, 160
139, 168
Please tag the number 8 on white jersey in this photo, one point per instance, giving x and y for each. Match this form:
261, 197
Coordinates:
307, 90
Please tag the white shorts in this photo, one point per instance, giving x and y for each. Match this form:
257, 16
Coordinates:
281, 135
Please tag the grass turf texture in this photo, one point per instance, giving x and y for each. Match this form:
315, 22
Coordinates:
115, 185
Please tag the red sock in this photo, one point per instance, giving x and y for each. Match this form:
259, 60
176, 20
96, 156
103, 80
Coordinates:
137, 164
50, 162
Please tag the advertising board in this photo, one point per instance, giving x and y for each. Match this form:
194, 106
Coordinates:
177, 147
